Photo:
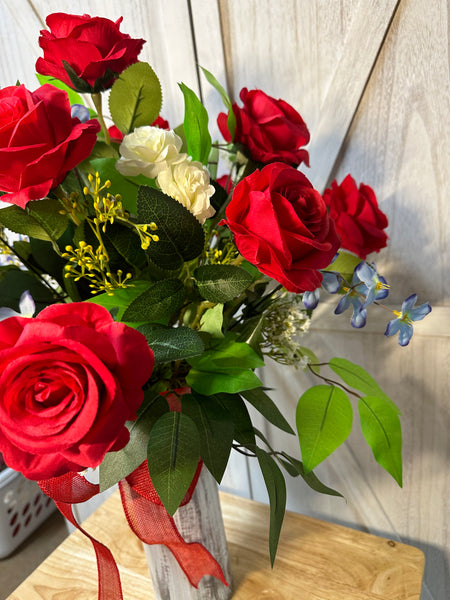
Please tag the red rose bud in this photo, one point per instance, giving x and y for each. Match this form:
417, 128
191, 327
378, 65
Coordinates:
69, 380
271, 129
86, 53
40, 142
359, 221
281, 225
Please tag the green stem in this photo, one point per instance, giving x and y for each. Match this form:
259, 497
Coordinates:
97, 100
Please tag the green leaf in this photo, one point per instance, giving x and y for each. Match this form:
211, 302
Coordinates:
231, 121
118, 465
40, 219
121, 298
229, 355
276, 489
266, 406
221, 283
172, 343
127, 243
181, 237
74, 97
212, 321
13, 282
243, 429
381, 428
295, 468
157, 303
232, 381
136, 98
324, 421
216, 430
344, 264
173, 454
358, 378
195, 125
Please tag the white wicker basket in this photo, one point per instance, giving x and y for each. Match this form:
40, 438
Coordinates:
23, 507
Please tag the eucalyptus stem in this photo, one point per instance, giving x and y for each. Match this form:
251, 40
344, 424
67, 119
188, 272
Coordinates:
97, 100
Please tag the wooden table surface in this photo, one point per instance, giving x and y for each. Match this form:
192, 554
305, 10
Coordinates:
315, 561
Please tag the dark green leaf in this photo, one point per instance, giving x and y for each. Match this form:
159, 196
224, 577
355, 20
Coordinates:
266, 406
216, 431
221, 283
181, 237
172, 343
358, 378
295, 468
276, 489
41, 219
195, 125
118, 465
173, 454
136, 98
324, 421
127, 244
13, 282
381, 428
157, 303
121, 298
243, 428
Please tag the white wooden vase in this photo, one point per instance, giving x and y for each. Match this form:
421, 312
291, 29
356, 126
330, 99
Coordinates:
200, 520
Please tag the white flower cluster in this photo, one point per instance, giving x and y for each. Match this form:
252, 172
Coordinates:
285, 322
155, 153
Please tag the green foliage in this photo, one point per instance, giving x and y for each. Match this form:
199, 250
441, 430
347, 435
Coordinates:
276, 489
215, 428
195, 126
266, 406
227, 368
244, 433
121, 298
381, 428
212, 321
295, 468
324, 421
41, 219
74, 97
181, 237
13, 282
231, 120
118, 465
173, 455
157, 303
221, 283
344, 264
169, 343
136, 98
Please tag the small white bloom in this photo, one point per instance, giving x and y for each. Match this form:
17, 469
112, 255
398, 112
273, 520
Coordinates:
26, 305
148, 151
188, 183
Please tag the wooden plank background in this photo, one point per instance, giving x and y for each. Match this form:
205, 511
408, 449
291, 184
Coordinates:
371, 79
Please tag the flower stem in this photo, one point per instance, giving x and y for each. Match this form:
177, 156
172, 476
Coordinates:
97, 100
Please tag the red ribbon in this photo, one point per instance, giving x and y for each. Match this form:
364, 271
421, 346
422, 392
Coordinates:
147, 518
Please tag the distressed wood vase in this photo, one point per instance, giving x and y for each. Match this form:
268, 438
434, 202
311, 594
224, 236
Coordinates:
200, 520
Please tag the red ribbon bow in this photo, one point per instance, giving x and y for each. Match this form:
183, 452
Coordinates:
147, 518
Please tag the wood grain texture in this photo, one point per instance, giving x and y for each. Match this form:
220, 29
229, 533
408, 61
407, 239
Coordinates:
316, 560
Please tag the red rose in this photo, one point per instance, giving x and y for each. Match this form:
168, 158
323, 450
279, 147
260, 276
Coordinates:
69, 379
359, 221
87, 53
39, 141
281, 224
271, 129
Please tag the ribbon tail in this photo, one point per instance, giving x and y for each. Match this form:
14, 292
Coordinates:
73, 488
153, 525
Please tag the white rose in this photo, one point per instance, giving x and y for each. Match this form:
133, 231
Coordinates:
188, 183
148, 151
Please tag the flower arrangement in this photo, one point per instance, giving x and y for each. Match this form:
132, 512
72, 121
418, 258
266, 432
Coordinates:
150, 289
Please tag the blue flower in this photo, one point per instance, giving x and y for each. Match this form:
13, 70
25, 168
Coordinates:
311, 299
403, 323
80, 112
331, 283
355, 299
374, 286
26, 306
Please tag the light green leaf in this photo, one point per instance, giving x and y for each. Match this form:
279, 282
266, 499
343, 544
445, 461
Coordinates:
229, 355
157, 303
213, 382
267, 407
221, 283
136, 98
381, 428
344, 264
324, 421
215, 428
74, 97
231, 121
121, 298
173, 454
198, 139
172, 343
118, 465
358, 378
181, 237
212, 321
276, 489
